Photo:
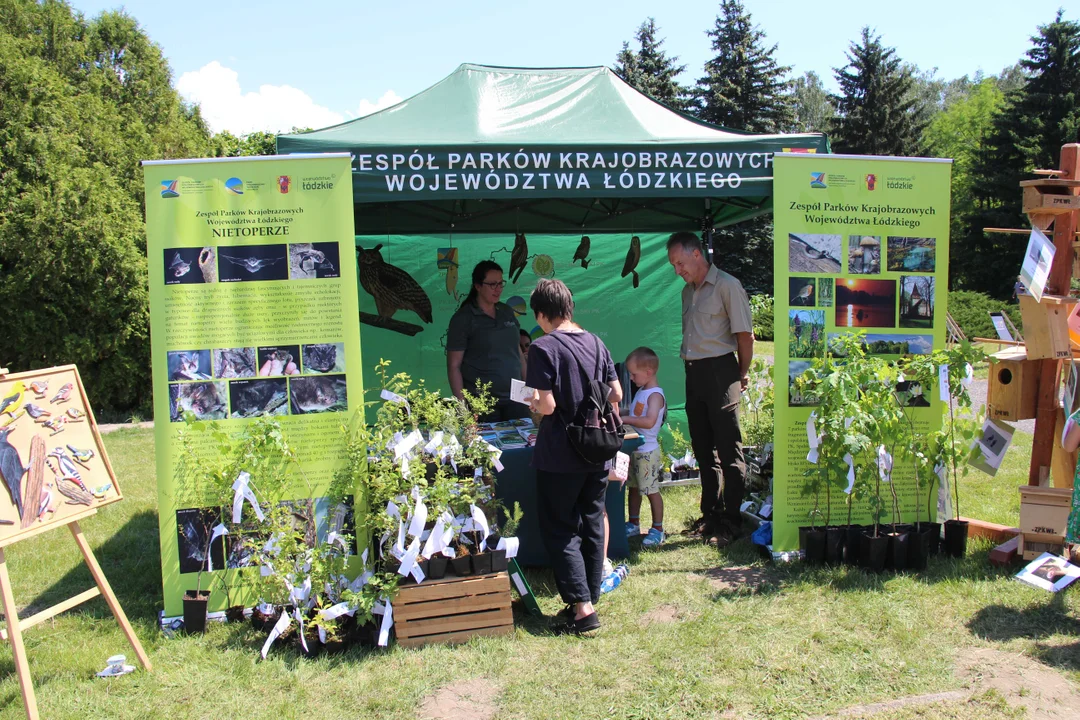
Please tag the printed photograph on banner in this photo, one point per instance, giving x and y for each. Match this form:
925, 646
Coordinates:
205, 400
911, 254
806, 333
825, 292
801, 291
795, 397
189, 365
340, 519
910, 394
1035, 270
258, 398
318, 394
279, 360
314, 261
250, 263
888, 344
865, 303
190, 266
864, 255
321, 358
809, 253
239, 552
315, 518
234, 362
194, 528
917, 301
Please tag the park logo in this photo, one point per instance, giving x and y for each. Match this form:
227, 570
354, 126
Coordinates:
817, 180
168, 188
283, 182
235, 186
871, 182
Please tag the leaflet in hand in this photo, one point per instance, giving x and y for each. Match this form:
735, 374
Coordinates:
520, 392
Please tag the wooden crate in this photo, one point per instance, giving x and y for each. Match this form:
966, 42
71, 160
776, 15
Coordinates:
1046, 326
1043, 199
1013, 388
453, 610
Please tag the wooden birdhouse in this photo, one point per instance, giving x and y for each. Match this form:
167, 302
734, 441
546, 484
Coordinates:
1050, 196
1046, 326
1013, 387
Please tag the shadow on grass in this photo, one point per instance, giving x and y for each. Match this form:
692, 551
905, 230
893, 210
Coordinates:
1038, 622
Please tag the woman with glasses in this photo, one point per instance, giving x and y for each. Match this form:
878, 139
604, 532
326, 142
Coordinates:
482, 344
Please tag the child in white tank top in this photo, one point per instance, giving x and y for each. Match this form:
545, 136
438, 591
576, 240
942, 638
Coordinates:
646, 463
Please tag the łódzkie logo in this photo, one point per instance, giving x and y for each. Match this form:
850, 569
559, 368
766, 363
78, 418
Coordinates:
235, 186
283, 182
817, 180
168, 188
871, 181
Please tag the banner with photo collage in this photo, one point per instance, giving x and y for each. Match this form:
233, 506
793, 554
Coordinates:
253, 307
861, 243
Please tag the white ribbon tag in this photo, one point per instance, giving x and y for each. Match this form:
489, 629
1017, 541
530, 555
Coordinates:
242, 492
496, 453
332, 537
387, 611
394, 397
811, 432
419, 517
335, 611
435, 443
969, 375
407, 443
393, 511
943, 382
481, 522
885, 464
850, 473
300, 627
405, 467
408, 560
435, 542
812, 457
217, 532
510, 545
279, 627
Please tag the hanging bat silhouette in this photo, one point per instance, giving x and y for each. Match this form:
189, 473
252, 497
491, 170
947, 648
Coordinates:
582, 252
519, 257
633, 257
252, 265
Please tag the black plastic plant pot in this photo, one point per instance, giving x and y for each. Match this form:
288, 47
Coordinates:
425, 566
815, 546
872, 552
195, 603
852, 540
834, 545
498, 561
918, 549
898, 551
391, 565
334, 647
481, 563
261, 621
933, 537
802, 537
311, 637
235, 614
462, 566
956, 533
437, 566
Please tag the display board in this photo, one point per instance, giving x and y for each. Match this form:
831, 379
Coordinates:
253, 307
52, 460
861, 243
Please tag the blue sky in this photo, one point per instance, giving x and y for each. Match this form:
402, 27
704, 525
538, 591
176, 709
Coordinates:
316, 63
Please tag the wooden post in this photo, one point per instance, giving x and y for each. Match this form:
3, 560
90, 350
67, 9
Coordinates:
1065, 226
18, 651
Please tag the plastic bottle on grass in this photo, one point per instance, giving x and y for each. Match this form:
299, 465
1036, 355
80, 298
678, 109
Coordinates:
615, 579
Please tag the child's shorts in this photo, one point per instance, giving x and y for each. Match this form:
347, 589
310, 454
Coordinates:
645, 469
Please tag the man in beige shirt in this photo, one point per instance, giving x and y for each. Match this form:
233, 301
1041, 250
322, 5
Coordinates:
717, 347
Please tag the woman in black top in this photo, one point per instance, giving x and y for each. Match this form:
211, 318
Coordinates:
570, 490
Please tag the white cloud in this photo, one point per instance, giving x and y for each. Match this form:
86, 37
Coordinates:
274, 108
388, 98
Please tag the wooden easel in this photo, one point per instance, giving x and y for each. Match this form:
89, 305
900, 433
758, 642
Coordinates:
15, 625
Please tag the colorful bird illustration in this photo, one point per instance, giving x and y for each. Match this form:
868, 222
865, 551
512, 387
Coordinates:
633, 257
75, 494
582, 252
10, 404
451, 280
40, 387
36, 412
252, 265
62, 395
76, 415
519, 257
12, 468
179, 267
65, 469
81, 456
393, 288
56, 424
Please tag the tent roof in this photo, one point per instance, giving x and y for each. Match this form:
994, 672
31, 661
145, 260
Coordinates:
492, 149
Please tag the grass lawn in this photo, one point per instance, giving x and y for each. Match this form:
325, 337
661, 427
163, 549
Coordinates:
811, 642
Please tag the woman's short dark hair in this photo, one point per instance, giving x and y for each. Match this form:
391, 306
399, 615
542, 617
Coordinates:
552, 298
687, 241
478, 274
525, 334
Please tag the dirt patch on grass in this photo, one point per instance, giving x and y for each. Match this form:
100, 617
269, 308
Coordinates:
1045, 693
467, 700
734, 579
665, 614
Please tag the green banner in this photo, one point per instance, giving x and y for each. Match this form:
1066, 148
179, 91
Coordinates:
861, 243
253, 303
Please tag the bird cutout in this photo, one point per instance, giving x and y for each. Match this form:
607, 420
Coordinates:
99, 492
11, 468
76, 415
35, 478
75, 495
582, 252
11, 402
519, 257
65, 469
40, 387
45, 505
56, 424
451, 281
252, 265
38, 413
633, 257
62, 395
393, 289
178, 267
81, 456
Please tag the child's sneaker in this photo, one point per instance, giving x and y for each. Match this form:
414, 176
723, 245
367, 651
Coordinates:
654, 539
632, 529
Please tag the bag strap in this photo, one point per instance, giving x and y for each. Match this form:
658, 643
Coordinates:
581, 370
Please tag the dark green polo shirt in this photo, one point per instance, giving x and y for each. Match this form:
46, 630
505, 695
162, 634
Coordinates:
491, 345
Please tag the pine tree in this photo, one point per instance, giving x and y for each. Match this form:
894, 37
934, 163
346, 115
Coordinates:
650, 70
1037, 119
744, 87
878, 110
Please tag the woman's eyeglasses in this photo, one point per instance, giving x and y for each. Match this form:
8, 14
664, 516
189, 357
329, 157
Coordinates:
496, 285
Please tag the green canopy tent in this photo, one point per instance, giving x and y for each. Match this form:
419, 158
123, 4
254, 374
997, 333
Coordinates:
491, 149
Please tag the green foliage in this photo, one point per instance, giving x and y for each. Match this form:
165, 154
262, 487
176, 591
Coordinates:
650, 70
971, 311
745, 250
761, 311
744, 87
756, 405
253, 144
813, 109
878, 112
81, 103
